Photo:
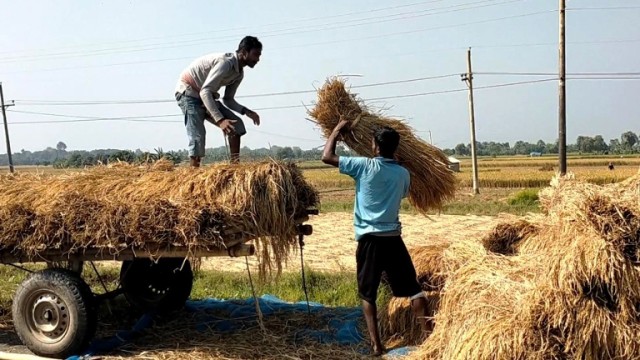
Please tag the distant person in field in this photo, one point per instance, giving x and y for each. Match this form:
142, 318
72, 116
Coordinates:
381, 183
611, 165
198, 97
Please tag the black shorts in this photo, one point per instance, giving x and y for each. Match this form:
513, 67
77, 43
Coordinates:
378, 254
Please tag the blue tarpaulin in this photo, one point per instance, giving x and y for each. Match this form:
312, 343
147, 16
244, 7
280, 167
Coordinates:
341, 322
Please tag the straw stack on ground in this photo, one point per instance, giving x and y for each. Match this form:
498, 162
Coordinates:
432, 182
571, 292
506, 237
428, 261
488, 310
112, 208
399, 327
397, 322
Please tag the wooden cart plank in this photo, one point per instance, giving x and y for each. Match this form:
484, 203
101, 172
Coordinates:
129, 254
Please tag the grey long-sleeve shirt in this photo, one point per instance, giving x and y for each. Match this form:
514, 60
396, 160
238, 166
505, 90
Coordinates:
204, 77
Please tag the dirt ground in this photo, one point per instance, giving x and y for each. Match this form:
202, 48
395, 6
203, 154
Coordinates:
332, 247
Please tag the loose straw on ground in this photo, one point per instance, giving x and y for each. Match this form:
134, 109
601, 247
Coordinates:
569, 290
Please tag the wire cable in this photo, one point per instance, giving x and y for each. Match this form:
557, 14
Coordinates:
155, 101
281, 32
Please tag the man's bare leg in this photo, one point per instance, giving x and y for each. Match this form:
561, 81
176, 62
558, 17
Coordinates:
371, 316
420, 307
195, 161
234, 148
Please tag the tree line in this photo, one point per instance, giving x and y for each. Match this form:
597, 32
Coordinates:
59, 157
627, 144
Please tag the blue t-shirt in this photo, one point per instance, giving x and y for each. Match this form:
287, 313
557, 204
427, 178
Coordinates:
381, 184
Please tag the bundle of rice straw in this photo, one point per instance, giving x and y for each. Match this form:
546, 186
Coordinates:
572, 292
432, 182
488, 311
112, 208
427, 260
399, 326
593, 286
505, 237
397, 322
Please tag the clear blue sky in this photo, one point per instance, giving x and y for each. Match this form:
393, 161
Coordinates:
135, 50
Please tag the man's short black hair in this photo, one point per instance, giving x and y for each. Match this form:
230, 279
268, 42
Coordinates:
249, 43
387, 140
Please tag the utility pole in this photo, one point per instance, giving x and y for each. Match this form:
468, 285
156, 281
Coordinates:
562, 105
430, 138
468, 78
6, 127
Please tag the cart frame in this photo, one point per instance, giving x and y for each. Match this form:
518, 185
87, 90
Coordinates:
55, 312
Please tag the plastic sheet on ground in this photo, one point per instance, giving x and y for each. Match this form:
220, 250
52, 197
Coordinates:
341, 323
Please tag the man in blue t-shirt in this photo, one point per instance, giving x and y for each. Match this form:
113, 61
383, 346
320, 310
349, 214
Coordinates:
381, 183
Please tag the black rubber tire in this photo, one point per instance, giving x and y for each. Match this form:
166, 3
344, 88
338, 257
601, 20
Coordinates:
163, 287
74, 313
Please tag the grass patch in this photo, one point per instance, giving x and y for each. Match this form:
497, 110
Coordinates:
488, 208
332, 289
328, 288
526, 197
470, 206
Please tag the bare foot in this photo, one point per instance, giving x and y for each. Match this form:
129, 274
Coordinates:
378, 350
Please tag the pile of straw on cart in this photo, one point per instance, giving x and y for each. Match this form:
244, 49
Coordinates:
124, 206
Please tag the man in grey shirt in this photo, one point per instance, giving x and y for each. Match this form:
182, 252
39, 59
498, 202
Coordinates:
198, 97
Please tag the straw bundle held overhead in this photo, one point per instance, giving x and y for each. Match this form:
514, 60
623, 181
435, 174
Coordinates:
113, 208
432, 182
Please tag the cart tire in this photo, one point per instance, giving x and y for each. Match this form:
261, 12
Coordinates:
163, 287
54, 313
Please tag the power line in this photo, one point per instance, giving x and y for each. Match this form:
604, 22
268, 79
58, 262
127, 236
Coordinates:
426, 29
353, 87
555, 43
579, 75
480, 46
606, 73
550, 73
605, 78
93, 118
515, 73
79, 119
143, 118
605, 8
146, 118
305, 20
152, 101
328, 42
318, 43
280, 32
514, 84
460, 90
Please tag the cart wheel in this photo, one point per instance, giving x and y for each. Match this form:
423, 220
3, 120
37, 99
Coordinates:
163, 287
54, 314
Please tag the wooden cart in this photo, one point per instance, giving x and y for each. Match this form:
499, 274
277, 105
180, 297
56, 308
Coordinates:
55, 312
